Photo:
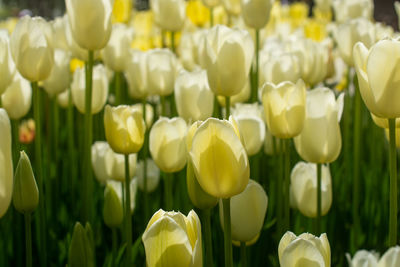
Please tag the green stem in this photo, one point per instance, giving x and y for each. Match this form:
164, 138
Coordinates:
356, 159
145, 154
227, 107
28, 239
114, 246
15, 141
393, 184
163, 106
256, 72
211, 17
71, 144
207, 237
39, 172
168, 190
227, 232
173, 48
217, 108
128, 230
287, 183
87, 163
279, 189
243, 256
118, 88
318, 222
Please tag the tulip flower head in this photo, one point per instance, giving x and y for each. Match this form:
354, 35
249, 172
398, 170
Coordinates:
136, 74
6, 165
363, 258
153, 175
169, 15
256, 12
17, 99
60, 77
351, 9
7, 66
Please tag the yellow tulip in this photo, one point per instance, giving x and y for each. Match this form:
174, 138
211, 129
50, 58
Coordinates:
124, 129
219, 159
169, 14
256, 12
167, 143
149, 113
351, 9
7, 67
161, 71
120, 191
121, 12
197, 13
298, 13
112, 210
6, 164
172, 239
17, 99
136, 74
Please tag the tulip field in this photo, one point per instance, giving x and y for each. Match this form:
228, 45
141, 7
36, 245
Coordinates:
199, 133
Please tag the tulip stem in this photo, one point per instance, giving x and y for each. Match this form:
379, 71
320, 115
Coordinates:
168, 191
227, 107
39, 173
279, 185
207, 238
226, 203
393, 184
286, 213
173, 42
243, 255
163, 107
28, 239
71, 144
118, 88
145, 153
15, 140
87, 163
318, 224
128, 217
114, 246
256, 72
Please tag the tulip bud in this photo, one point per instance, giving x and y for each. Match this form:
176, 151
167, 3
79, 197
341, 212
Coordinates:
31, 48
7, 67
100, 89
90, 22
113, 213
390, 258
6, 164
116, 52
303, 189
189, 49
136, 74
169, 15
248, 211
320, 140
279, 66
219, 159
124, 129
193, 97
60, 77
227, 74
118, 166
256, 12
119, 190
304, 249
161, 71
172, 239
17, 99
102, 160
363, 258
284, 106
153, 175
81, 252
168, 145
25, 193
59, 26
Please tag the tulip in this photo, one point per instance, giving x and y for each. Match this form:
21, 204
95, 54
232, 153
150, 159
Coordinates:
382, 122
7, 67
167, 144
193, 97
102, 160
124, 129
305, 249
320, 140
161, 71
232, 7
113, 213
351, 9
363, 258
242, 97
324, 5
227, 74
351, 32
271, 148
219, 159
251, 126
169, 15
172, 239
136, 74
153, 175
17, 99
280, 67
117, 186
188, 49
117, 171
100, 89
303, 189
248, 211
376, 71
31, 48
122, 10
6, 165
391, 257
256, 12
60, 77
59, 27
284, 106
81, 249
63, 99
90, 22
149, 113
116, 52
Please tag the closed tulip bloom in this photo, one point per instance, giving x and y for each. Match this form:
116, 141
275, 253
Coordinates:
173, 239
60, 76
102, 159
90, 22
351, 9
248, 210
149, 113
136, 74
59, 27
256, 12
153, 175
351, 32
232, 7
81, 247
219, 159
124, 129
320, 140
113, 213
161, 71
304, 250
251, 126
193, 97
303, 189
17, 99
285, 107
280, 67
391, 258
363, 258
100, 89
7, 67
116, 52
188, 49
227, 74
169, 15
6, 164
117, 170
117, 186
167, 143
31, 48
377, 70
